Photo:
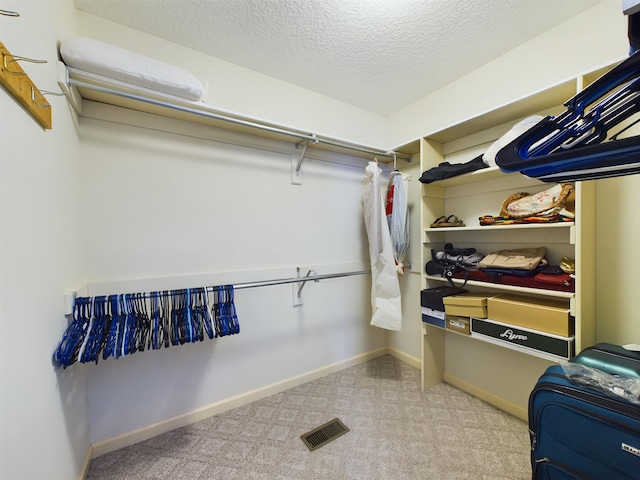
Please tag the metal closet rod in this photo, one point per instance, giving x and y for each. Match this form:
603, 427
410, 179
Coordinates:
216, 116
265, 283
302, 280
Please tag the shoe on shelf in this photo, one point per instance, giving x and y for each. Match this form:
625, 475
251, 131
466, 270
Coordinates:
450, 221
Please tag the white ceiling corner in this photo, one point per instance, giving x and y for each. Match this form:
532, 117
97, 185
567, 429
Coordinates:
379, 55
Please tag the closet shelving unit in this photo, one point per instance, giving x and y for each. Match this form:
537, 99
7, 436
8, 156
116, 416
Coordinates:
480, 193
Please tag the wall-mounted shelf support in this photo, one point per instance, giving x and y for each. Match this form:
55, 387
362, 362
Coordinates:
296, 161
310, 273
302, 155
297, 290
14, 79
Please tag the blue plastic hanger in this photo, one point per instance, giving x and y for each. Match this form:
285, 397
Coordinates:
207, 321
67, 352
569, 147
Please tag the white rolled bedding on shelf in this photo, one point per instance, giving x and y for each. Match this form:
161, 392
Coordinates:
120, 65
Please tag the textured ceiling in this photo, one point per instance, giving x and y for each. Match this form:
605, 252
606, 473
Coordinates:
380, 55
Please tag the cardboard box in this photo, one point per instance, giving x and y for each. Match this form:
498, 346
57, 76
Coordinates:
545, 315
471, 304
459, 324
432, 297
523, 339
433, 317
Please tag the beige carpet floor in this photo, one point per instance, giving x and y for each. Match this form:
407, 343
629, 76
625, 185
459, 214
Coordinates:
397, 432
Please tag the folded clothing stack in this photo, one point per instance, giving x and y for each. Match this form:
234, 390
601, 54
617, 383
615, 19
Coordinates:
556, 204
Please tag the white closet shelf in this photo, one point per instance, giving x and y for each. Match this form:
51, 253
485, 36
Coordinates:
483, 338
78, 87
473, 177
501, 287
493, 228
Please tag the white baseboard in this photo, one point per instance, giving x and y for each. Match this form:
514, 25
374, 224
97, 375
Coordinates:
150, 431
499, 402
413, 361
87, 463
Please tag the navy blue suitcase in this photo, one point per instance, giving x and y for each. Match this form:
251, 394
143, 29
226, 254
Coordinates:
578, 432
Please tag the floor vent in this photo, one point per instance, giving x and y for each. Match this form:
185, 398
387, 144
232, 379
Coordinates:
324, 434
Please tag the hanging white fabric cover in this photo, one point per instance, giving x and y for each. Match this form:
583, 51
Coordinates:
397, 210
385, 289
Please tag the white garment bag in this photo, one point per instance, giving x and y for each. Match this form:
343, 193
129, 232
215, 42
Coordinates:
397, 211
385, 289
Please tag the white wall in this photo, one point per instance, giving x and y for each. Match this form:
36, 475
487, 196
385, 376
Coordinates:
616, 263
44, 429
160, 204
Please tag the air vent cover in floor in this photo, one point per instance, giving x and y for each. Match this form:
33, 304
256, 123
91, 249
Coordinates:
324, 434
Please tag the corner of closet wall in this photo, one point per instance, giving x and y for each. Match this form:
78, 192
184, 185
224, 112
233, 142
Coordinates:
44, 410
617, 231
405, 344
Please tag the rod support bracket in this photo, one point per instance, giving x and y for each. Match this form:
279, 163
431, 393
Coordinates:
310, 273
296, 160
299, 285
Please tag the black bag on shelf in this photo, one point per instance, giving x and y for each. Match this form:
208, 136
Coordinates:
448, 170
451, 260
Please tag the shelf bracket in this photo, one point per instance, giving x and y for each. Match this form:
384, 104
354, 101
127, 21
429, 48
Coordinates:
296, 161
297, 290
